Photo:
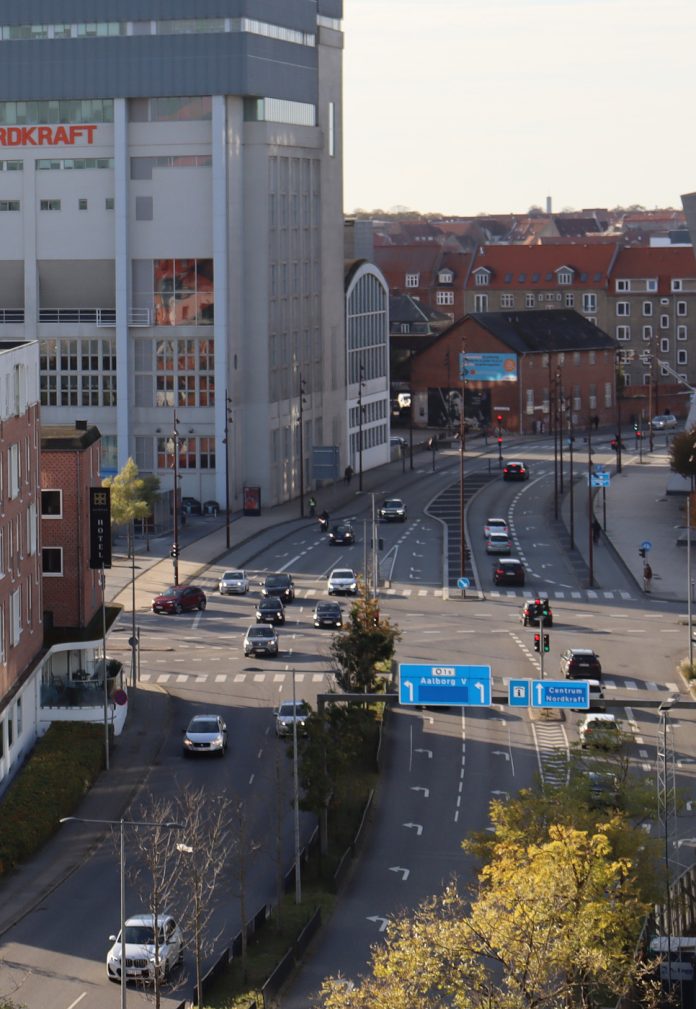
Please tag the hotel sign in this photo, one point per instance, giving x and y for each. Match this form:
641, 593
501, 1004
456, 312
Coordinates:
100, 527
49, 136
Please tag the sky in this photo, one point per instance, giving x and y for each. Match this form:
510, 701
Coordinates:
491, 106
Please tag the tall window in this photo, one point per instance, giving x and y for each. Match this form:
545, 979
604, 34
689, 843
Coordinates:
183, 373
183, 292
480, 302
589, 302
78, 372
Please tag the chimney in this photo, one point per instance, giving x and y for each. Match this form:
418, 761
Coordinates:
548, 205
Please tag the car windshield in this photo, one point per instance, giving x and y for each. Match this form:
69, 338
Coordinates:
270, 604
498, 538
392, 503
343, 573
276, 581
260, 632
141, 935
287, 710
233, 576
173, 591
203, 725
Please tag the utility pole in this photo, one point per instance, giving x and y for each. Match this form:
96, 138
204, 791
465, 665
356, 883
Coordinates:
302, 388
175, 545
228, 421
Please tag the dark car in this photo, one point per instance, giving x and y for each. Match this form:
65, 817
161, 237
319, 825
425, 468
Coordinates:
191, 505
281, 586
516, 471
179, 598
261, 640
581, 664
328, 615
536, 611
270, 611
508, 571
393, 510
342, 535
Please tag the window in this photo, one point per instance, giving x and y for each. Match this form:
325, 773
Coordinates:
480, 302
82, 204
681, 332
444, 298
482, 278
412, 279
682, 356
651, 285
31, 528
677, 286
445, 277
507, 300
647, 332
591, 357
589, 302
664, 345
647, 308
9, 205
593, 396
16, 616
49, 205
664, 322
109, 203
607, 394
623, 308
623, 286
681, 308
565, 277
577, 358
529, 301
178, 292
569, 299
623, 332
52, 561
78, 372
14, 473
52, 504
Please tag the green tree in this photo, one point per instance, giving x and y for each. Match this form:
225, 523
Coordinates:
682, 453
132, 497
365, 642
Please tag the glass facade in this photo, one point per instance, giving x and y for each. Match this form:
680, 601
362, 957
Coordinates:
78, 372
86, 110
174, 372
183, 292
176, 26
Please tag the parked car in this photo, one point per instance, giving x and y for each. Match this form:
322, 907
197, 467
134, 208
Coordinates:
515, 471
328, 614
270, 611
664, 421
342, 581
498, 543
205, 734
191, 505
396, 441
342, 535
179, 598
287, 714
141, 961
495, 525
281, 586
535, 611
234, 583
601, 731
580, 664
393, 510
509, 571
261, 639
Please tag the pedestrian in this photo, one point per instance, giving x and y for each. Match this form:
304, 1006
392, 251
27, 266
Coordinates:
595, 422
596, 530
647, 577
312, 506
348, 474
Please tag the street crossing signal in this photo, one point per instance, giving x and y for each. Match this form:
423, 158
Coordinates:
174, 552
499, 418
500, 441
537, 642
642, 551
547, 643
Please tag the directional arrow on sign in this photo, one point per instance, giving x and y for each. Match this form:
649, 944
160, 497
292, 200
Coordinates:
429, 753
418, 827
419, 788
405, 873
409, 686
383, 922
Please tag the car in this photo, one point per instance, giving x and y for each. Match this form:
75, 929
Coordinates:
604, 789
509, 571
178, 598
663, 422
597, 702
261, 639
270, 611
342, 581
145, 958
580, 664
495, 525
328, 615
190, 506
515, 471
342, 535
393, 510
289, 714
498, 543
281, 586
396, 441
535, 611
601, 731
205, 734
233, 583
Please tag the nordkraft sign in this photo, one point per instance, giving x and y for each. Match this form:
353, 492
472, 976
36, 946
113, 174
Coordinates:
46, 136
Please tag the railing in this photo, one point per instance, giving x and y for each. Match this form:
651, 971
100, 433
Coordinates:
11, 315
99, 316
139, 317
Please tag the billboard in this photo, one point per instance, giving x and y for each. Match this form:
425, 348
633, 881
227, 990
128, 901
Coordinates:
487, 367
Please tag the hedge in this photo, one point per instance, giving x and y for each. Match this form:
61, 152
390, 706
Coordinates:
59, 771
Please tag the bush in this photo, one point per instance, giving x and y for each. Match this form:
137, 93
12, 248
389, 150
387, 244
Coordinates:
687, 669
59, 771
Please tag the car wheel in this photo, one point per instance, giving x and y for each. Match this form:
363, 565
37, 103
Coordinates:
202, 604
178, 608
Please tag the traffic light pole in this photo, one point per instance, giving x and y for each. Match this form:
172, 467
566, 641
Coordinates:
175, 544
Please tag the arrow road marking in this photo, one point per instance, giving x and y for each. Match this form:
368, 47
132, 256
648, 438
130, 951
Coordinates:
501, 753
418, 827
499, 791
690, 805
405, 873
383, 922
419, 788
429, 752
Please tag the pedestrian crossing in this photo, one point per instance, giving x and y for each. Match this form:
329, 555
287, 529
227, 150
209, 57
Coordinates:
193, 679
552, 750
584, 594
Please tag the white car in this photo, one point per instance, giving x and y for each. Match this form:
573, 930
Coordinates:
205, 734
664, 421
234, 583
600, 731
495, 525
342, 581
498, 543
142, 960
289, 714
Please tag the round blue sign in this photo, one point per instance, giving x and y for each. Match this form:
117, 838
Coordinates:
463, 583
646, 545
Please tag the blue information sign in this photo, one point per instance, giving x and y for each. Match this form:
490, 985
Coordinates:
600, 480
433, 685
560, 694
463, 583
646, 545
518, 693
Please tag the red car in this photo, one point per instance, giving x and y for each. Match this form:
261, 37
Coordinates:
179, 598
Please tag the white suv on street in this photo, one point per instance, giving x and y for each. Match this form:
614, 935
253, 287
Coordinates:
342, 581
144, 958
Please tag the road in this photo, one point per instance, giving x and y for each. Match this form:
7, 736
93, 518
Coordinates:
442, 767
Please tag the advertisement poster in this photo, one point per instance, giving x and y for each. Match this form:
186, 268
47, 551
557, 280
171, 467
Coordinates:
252, 500
487, 367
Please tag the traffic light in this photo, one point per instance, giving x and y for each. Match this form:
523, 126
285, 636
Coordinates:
174, 552
499, 418
500, 441
537, 642
547, 643
642, 551
635, 428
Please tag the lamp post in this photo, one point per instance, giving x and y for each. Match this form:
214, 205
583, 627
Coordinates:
228, 421
121, 824
571, 443
589, 501
462, 440
361, 373
666, 809
560, 408
296, 796
301, 420
619, 385
175, 545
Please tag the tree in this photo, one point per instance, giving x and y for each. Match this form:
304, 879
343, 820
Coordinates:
132, 497
368, 639
550, 925
682, 453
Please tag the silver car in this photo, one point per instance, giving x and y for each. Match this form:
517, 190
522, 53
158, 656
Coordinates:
234, 583
289, 714
664, 421
261, 639
144, 956
205, 734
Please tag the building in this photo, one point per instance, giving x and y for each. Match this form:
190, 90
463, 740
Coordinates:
171, 202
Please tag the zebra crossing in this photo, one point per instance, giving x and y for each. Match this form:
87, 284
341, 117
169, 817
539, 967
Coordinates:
234, 678
584, 594
553, 752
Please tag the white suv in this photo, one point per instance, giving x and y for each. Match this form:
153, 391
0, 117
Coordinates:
143, 959
342, 581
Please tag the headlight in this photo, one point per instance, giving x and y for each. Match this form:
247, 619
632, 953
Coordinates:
217, 741
187, 742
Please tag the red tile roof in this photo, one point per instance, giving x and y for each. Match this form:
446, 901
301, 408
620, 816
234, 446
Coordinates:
663, 262
526, 267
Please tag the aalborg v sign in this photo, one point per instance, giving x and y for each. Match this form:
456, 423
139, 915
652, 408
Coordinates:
434, 685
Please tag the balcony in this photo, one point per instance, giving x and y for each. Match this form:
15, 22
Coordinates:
92, 316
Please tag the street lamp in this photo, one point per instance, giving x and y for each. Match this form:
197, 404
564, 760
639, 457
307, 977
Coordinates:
228, 421
301, 419
462, 438
121, 824
666, 809
296, 795
175, 544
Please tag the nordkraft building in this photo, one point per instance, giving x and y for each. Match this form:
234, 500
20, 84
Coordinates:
171, 230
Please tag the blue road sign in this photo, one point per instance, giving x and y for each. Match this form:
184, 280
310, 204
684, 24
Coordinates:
600, 480
560, 694
646, 545
518, 693
463, 583
424, 684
